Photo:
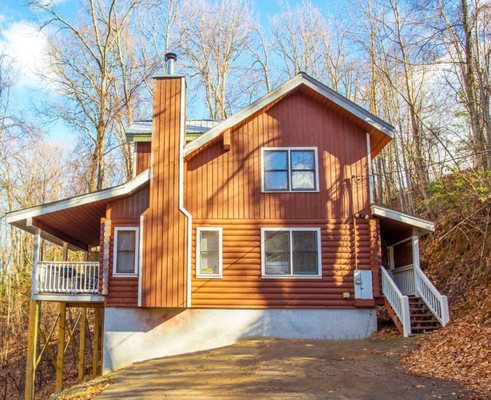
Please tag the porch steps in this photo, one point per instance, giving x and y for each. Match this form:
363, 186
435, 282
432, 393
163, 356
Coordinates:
422, 320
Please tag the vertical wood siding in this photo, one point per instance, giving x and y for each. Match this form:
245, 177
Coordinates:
224, 189
164, 267
142, 155
123, 291
228, 184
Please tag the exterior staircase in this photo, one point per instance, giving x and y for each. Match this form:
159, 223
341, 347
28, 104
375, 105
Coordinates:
422, 319
413, 302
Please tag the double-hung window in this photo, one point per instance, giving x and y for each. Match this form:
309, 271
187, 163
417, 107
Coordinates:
209, 252
291, 252
125, 259
290, 169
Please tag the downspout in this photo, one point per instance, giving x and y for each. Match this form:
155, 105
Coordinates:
370, 173
188, 215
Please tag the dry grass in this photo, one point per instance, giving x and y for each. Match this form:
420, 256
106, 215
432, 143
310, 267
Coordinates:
83, 391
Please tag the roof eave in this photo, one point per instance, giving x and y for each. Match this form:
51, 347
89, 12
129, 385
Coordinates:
114, 192
419, 223
280, 91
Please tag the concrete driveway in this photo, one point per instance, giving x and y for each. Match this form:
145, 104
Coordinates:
282, 369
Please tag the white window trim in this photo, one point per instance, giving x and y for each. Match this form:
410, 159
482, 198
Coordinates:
291, 276
118, 229
289, 149
198, 251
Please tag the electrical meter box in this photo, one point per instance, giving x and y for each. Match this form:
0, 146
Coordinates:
363, 284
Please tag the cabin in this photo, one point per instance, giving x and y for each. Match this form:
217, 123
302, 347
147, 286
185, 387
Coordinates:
262, 224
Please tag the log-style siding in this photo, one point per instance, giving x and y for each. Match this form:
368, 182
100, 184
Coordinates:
223, 188
123, 291
164, 264
142, 155
242, 285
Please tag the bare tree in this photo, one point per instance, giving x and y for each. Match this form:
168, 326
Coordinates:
87, 64
463, 29
215, 36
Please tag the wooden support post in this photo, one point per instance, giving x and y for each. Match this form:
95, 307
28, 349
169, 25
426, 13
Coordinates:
31, 349
95, 344
81, 348
37, 246
61, 347
415, 243
101, 340
65, 251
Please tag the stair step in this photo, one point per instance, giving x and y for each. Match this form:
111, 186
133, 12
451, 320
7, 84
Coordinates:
424, 323
425, 319
416, 330
424, 314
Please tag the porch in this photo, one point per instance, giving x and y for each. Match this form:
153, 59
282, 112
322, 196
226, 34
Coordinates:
412, 300
79, 225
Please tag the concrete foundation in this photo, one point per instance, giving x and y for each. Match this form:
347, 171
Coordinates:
133, 334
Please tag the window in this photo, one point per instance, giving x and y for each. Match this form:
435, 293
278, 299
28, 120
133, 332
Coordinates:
125, 262
291, 252
209, 252
290, 169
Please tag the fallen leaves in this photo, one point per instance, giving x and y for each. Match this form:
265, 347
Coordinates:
460, 352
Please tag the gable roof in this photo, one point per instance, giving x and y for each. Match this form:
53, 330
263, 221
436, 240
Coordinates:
302, 79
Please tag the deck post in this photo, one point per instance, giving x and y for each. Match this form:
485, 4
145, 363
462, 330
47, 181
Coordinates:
65, 252
415, 248
61, 347
37, 248
95, 345
31, 349
81, 348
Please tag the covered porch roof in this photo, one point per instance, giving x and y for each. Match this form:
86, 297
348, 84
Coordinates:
75, 220
396, 225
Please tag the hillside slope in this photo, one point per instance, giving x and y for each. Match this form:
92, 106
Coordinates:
457, 259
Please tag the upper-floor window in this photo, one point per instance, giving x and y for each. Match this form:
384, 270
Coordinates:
125, 262
291, 169
291, 252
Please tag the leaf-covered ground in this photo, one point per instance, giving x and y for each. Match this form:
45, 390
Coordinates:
458, 260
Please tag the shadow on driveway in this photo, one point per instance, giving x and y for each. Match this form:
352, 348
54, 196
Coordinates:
282, 369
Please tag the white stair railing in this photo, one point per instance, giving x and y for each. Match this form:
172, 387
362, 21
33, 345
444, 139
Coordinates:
398, 301
67, 277
404, 279
437, 303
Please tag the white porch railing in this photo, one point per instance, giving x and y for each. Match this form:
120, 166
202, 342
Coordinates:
404, 279
437, 303
398, 301
67, 277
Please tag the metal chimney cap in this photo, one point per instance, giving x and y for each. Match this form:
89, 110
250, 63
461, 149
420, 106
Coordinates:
170, 56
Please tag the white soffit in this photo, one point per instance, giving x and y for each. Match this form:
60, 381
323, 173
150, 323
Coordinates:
411, 220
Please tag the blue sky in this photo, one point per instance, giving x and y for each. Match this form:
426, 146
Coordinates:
23, 42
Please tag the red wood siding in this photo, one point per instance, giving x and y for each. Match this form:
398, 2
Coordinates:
164, 269
224, 189
228, 184
123, 291
130, 207
142, 156
243, 287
